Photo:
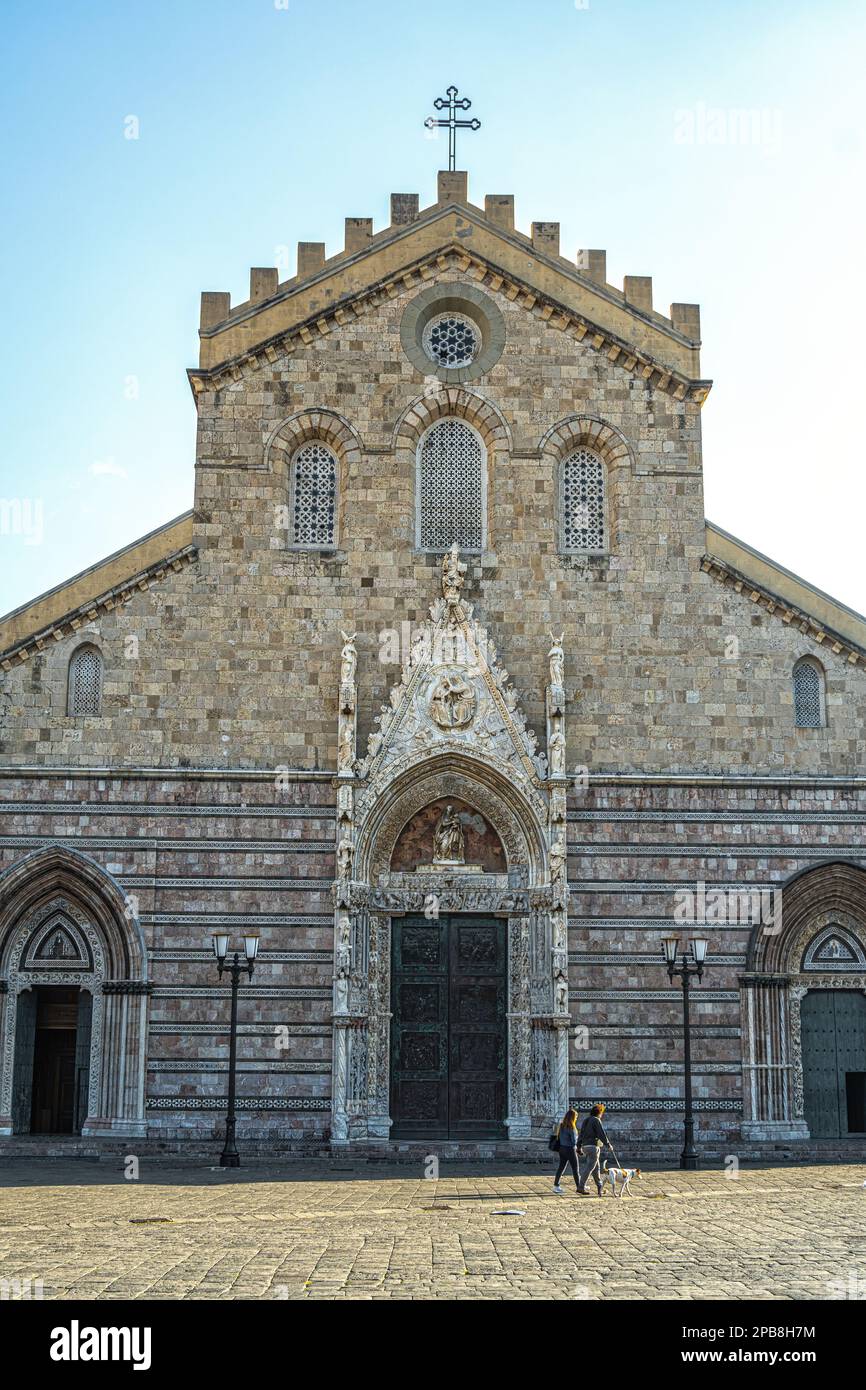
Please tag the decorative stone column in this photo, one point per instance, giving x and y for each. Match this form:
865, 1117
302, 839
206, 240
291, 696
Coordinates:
557, 954
518, 1121
345, 851
378, 1027
772, 1107
119, 1108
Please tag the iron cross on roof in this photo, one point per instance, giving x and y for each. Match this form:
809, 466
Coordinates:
453, 105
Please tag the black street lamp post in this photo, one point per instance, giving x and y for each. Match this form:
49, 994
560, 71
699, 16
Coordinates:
685, 970
230, 1158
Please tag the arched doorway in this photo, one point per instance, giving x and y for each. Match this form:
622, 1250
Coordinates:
456, 1024
449, 988
73, 1008
803, 1009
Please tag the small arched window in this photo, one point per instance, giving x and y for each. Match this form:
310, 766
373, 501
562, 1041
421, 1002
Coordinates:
314, 497
450, 487
809, 698
583, 503
84, 691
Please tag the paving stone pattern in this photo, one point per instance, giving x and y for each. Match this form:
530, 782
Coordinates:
187, 1232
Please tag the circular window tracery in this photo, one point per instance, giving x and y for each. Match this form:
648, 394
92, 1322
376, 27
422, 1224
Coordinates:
452, 331
451, 340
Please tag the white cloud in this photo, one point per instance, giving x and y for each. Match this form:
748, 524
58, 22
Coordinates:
104, 467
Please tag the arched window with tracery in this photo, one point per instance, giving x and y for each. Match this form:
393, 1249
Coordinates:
810, 710
84, 686
451, 487
582, 503
314, 497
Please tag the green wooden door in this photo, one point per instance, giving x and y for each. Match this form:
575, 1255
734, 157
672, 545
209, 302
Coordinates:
833, 1038
448, 1027
850, 1006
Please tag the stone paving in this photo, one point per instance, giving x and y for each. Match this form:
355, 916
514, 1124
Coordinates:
184, 1231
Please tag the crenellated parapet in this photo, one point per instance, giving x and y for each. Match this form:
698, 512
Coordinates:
572, 294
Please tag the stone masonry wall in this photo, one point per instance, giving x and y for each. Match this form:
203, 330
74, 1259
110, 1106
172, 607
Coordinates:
233, 662
199, 854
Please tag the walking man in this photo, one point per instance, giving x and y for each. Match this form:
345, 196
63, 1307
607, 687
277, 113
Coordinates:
592, 1140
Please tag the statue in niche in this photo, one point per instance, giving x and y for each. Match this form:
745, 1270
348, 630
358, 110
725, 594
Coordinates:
346, 748
344, 930
341, 991
556, 657
448, 842
560, 981
345, 854
558, 862
556, 751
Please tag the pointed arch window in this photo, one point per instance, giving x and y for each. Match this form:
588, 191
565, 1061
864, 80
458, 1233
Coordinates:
84, 688
451, 487
583, 504
810, 711
314, 497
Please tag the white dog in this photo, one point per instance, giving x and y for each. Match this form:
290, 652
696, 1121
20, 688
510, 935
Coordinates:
624, 1174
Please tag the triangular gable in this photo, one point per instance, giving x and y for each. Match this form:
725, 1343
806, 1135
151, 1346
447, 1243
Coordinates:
407, 254
453, 697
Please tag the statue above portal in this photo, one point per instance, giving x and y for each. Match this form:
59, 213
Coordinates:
448, 843
453, 570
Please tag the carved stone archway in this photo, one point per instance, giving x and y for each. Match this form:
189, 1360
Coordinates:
490, 761
65, 921
784, 962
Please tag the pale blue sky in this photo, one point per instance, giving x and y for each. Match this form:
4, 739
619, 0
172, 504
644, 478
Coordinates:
262, 124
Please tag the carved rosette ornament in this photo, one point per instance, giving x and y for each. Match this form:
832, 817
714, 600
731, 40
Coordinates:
451, 732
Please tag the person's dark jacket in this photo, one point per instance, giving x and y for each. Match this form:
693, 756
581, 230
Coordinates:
592, 1132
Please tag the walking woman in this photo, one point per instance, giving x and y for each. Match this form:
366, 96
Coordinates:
592, 1140
566, 1132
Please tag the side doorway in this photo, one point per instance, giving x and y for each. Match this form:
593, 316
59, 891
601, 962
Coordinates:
52, 1060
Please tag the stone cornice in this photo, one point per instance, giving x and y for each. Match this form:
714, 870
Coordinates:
811, 627
87, 612
782, 781
424, 271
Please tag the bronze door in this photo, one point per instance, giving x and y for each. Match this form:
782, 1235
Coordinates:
448, 1030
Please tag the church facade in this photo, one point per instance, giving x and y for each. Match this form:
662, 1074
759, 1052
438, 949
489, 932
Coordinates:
447, 689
